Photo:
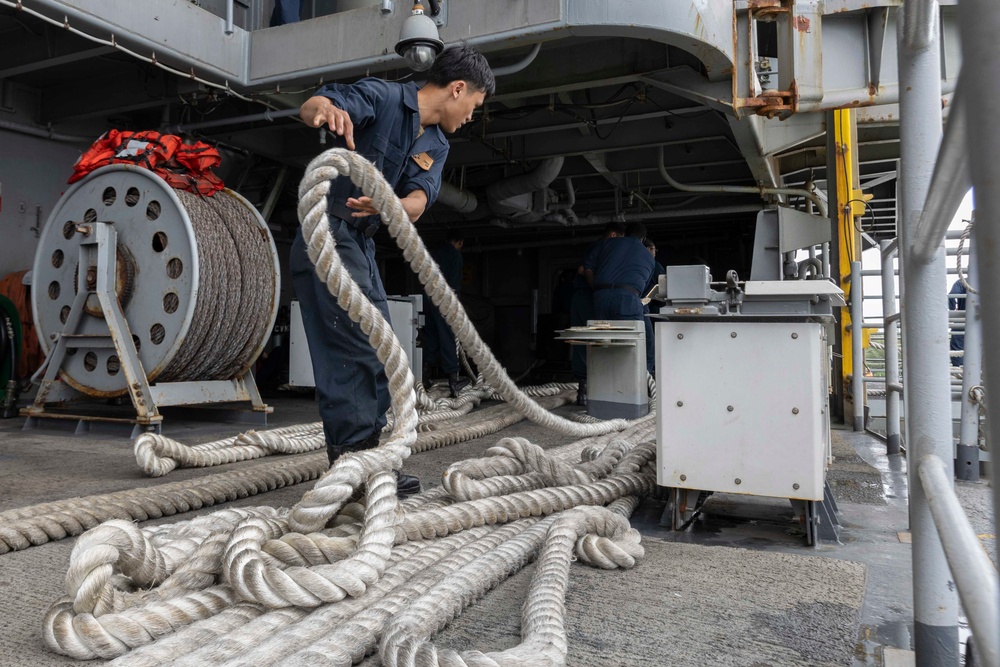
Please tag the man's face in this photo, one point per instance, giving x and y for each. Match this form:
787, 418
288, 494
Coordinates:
460, 105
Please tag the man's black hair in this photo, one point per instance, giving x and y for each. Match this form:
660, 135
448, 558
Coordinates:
614, 228
455, 235
648, 242
636, 229
462, 63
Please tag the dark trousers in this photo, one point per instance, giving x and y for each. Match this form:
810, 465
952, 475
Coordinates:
439, 341
581, 309
351, 385
957, 344
617, 304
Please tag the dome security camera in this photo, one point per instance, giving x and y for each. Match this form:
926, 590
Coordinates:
419, 43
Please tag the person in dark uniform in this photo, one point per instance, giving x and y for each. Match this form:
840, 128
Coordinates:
399, 127
617, 272
957, 342
439, 340
658, 271
581, 309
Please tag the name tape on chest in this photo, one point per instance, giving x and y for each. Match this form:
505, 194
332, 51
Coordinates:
423, 160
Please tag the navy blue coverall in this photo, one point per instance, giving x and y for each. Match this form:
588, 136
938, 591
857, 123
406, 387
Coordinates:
439, 340
957, 343
581, 309
621, 268
351, 385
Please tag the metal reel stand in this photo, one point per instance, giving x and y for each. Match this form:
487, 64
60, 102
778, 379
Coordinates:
95, 323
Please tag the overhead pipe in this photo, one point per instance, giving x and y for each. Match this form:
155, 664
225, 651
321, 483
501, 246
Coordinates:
455, 197
501, 193
44, 133
567, 210
539, 177
670, 214
229, 17
604, 218
520, 65
740, 189
235, 120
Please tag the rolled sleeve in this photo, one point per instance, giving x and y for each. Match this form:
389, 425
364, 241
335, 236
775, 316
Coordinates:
361, 100
415, 178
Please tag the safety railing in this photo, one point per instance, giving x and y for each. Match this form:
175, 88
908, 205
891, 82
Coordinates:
945, 550
972, 569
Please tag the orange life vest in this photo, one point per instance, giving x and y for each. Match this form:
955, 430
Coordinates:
182, 166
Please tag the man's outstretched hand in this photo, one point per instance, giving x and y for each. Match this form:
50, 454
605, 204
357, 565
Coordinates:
318, 111
362, 207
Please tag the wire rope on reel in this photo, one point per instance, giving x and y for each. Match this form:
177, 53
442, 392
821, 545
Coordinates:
197, 279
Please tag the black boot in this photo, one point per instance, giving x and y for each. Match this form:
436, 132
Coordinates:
426, 379
334, 452
456, 383
581, 394
406, 485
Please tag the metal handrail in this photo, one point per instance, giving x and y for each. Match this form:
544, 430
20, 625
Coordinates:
973, 571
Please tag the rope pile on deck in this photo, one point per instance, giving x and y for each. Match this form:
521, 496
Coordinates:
351, 569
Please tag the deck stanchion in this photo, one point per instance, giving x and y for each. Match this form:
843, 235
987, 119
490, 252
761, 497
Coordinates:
925, 323
889, 309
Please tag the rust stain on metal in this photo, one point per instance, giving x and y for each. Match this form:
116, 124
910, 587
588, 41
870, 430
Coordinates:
800, 23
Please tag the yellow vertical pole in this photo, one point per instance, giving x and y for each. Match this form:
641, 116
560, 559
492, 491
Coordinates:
851, 205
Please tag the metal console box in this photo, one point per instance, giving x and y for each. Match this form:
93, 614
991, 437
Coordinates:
742, 407
743, 392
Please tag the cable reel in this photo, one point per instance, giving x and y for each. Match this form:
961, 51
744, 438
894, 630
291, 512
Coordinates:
196, 279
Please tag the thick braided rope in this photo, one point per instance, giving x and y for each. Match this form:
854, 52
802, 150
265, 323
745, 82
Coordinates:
337, 486
148, 558
538, 502
26, 527
966, 233
31, 526
113, 633
490, 420
512, 498
257, 579
550, 389
406, 642
529, 465
413, 569
312, 209
136, 618
342, 634
158, 455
